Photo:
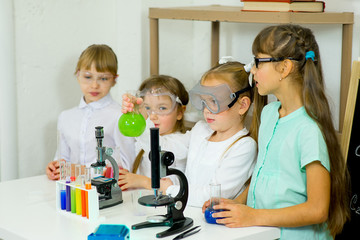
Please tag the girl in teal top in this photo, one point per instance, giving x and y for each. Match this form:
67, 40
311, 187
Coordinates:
300, 181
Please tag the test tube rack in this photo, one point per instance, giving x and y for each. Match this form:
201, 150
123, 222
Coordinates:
92, 201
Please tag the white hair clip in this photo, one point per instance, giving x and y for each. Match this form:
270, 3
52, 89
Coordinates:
226, 59
247, 68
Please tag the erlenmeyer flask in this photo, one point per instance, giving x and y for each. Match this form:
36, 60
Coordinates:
215, 196
132, 124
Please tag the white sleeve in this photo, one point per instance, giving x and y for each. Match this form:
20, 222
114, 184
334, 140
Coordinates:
64, 151
125, 150
178, 144
143, 141
232, 173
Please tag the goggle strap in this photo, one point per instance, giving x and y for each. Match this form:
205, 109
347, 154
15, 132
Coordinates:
237, 94
178, 100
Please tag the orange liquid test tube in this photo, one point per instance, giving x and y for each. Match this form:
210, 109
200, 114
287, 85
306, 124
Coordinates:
83, 200
87, 187
83, 203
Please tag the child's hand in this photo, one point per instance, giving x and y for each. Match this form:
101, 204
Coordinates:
222, 200
128, 103
131, 180
52, 170
235, 214
205, 205
165, 183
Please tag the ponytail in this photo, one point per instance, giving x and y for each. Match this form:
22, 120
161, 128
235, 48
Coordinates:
317, 107
258, 103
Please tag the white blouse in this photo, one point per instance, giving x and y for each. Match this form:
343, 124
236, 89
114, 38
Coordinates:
214, 162
76, 129
176, 143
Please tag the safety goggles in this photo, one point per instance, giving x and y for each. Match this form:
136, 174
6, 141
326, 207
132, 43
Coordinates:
159, 101
261, 60
216, 99
88, 77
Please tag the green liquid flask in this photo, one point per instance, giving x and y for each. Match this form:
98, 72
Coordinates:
132, 124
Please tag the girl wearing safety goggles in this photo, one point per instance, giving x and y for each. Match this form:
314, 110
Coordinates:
162, 102
221, 149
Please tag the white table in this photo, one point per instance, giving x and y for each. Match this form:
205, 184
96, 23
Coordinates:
28, 211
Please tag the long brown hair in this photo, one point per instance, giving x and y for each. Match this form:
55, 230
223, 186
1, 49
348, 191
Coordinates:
175, 87
234, 74
294, 41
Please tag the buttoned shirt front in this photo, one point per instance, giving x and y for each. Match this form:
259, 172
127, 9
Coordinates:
76, 130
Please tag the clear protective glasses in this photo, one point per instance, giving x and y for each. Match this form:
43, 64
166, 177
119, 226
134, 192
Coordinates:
88, 77
159, 101
216, 99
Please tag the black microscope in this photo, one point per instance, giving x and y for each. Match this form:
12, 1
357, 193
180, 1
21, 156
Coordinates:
160, 161
108, 188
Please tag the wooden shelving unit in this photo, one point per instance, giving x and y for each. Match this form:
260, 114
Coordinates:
216, 14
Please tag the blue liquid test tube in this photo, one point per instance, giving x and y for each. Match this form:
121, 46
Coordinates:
68, 190
62, 189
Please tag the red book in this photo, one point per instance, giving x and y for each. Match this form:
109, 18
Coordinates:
281, 6
288, 1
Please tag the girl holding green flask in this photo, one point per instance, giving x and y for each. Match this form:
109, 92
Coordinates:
161, 100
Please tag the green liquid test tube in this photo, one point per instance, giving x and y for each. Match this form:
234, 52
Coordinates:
73, 198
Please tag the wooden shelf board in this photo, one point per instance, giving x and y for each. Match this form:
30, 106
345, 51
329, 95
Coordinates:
234, 14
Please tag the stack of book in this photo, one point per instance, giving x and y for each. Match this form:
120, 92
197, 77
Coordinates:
283, 5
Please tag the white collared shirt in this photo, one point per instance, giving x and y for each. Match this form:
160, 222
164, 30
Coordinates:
76, 128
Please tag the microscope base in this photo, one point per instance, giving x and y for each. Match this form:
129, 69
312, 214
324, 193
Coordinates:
175, 226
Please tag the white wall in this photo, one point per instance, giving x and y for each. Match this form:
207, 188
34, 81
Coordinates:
8, 117
51, 34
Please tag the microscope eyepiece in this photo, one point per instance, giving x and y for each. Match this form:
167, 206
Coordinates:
99, 132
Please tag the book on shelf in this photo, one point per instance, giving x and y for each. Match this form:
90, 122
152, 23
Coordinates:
277, 6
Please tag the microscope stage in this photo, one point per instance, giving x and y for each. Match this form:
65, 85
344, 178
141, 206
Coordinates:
151, 201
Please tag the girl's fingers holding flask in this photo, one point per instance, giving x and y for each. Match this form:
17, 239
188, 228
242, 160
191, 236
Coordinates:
235, 215
129, 102
205, 205
127, 107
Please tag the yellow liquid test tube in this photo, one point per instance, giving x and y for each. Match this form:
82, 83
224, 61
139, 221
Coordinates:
77, 189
